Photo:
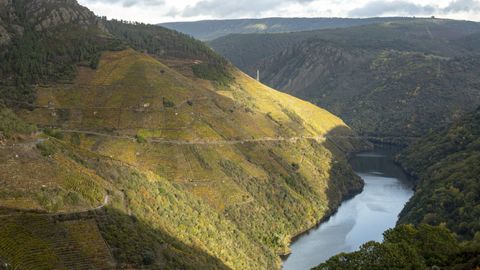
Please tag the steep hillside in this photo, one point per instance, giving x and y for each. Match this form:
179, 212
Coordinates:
160, 162
410, 247
432, 36
212, 29
385, 80
246, 150
446, 163
171, 46
42, 42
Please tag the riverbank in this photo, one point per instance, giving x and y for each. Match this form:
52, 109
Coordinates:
364, 146
324, 219
349, 222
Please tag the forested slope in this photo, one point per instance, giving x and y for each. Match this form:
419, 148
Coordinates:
446, 165
389, 80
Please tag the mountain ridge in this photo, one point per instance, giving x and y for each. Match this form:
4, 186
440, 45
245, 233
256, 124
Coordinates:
211, 29
381, 79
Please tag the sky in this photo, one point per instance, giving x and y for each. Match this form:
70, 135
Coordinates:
157, 11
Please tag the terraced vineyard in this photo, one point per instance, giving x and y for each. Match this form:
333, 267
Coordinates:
159, 154
244, 151
33, 241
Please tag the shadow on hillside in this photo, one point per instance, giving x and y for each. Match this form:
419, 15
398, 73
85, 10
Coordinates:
344, 183
133, 243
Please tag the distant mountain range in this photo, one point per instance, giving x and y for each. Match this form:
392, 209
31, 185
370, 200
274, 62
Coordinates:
392, 79
212, 29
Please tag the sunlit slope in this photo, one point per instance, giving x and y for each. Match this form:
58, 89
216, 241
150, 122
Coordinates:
85, 211
132, 92
269, 165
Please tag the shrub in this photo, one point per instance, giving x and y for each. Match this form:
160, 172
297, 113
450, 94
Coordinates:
46, 148
10, 124
53, 133
140, 138
168, 103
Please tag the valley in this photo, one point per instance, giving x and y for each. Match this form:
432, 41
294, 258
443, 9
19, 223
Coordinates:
389, 80
202, 165
126, 145
361, 219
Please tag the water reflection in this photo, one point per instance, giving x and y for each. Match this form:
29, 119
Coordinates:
361, 219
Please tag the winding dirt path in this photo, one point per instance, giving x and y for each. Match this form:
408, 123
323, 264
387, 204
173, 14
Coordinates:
200, 142
106, 201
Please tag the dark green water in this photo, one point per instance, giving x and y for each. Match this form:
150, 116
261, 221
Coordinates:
360, 219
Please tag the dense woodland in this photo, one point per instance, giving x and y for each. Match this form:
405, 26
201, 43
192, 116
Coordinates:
165, 43
446, 163
409, 247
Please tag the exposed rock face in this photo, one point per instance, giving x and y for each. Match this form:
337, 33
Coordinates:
4, 36
3, 3
47, 14
44, 15
4, 11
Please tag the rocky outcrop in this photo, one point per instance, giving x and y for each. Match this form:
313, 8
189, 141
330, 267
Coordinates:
4, 36
4, 3
47, 14
44, 15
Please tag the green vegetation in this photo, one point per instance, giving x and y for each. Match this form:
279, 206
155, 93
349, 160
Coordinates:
140, 138
164, 43
168, 103
444, 208
53, 133
172, 171
11, 124
388, 81
46, 148
253, 196
446, 165
53, 54
46, 56
407, 247
33, 241
212, 73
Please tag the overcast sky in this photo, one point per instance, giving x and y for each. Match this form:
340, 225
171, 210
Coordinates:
156, 11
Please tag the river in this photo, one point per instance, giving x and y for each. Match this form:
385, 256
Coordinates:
360, 219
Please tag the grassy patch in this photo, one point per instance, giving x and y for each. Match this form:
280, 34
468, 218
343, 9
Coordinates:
11, 124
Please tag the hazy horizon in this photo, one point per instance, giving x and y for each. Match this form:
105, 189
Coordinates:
163, 11
278, 17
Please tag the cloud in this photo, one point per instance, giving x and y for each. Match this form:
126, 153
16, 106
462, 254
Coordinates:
403, 7
399, 7
241, 8
462, 6
154, 11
